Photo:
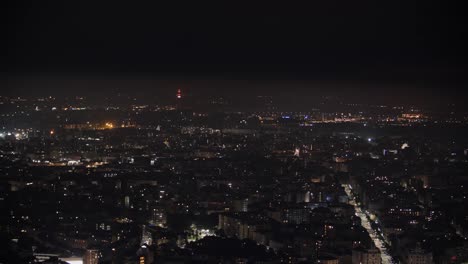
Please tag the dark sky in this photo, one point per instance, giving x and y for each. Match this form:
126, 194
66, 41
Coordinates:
415, 43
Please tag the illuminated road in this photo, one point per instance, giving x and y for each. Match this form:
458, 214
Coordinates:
378, 241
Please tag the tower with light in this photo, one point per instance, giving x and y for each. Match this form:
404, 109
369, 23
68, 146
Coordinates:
179, 94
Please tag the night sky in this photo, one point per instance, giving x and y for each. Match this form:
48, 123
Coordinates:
414, 46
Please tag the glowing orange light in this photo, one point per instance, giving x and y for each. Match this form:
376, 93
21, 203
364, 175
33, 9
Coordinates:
52, 132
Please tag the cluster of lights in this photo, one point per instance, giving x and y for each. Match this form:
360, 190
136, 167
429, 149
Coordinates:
18, 136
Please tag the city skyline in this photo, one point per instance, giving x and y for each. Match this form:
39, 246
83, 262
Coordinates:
328, 132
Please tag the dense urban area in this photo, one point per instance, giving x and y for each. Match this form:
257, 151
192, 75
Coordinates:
125, 180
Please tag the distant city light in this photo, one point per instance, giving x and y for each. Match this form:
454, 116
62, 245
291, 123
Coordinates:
179, 94
297, 152
260, 171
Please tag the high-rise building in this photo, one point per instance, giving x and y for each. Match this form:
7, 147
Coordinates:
127, 201
158, 216
296, 215
146, 236
366, 256
145, 255
91, 256
181, 102
419, 256
241, 205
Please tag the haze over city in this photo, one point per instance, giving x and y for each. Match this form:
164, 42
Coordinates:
192, 132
